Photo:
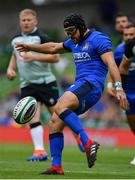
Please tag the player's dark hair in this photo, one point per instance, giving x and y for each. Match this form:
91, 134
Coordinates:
77, 21
121, 14
130, 25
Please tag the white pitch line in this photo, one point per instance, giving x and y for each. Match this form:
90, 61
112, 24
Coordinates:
78, 172
89, 172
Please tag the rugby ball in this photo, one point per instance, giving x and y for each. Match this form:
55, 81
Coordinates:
25, 110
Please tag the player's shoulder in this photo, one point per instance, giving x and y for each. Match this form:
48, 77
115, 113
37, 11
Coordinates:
120, 46
95, 35
99, 33
43, 36
68, 44
98, 38
37, 32
15, 38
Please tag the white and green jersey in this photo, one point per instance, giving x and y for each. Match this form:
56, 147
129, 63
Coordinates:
35, 71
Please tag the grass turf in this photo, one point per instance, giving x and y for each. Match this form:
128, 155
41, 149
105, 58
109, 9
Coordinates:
112, 163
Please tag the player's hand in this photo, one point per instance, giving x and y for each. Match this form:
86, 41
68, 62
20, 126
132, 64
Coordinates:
11, 74
111, 91
121, 97
27, 56
21, 47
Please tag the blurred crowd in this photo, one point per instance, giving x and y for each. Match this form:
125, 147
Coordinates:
105, 114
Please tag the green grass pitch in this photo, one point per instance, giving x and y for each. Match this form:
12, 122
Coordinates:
112, 163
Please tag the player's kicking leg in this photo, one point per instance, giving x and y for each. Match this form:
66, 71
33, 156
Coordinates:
91, 153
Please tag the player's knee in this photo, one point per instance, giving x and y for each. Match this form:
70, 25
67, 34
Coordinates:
59, 108
55, 126
50, 126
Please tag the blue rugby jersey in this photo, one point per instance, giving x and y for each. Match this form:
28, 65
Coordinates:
118, 55
87, 56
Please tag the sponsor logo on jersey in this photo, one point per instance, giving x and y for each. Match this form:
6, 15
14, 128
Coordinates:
81, 56
85, 47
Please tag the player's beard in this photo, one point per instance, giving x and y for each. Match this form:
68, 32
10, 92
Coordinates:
75, 40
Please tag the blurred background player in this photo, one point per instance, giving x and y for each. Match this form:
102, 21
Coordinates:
127, 70
121, 21
128, 34
36, 78
126, 67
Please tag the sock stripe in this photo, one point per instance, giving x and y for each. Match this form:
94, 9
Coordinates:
33, 125
54, 135
65, 114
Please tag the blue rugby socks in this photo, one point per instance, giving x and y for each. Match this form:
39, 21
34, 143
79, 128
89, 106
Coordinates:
72, 120
56, 147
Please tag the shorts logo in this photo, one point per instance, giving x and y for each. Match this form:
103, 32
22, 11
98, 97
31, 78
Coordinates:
51, 101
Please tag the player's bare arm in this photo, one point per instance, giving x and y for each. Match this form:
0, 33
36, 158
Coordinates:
11, 70
34, 56
114, 73
48, 48
124, 66
110, 86
108, 59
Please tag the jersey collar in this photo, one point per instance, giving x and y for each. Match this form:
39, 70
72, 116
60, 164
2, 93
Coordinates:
26, 34
88, 34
